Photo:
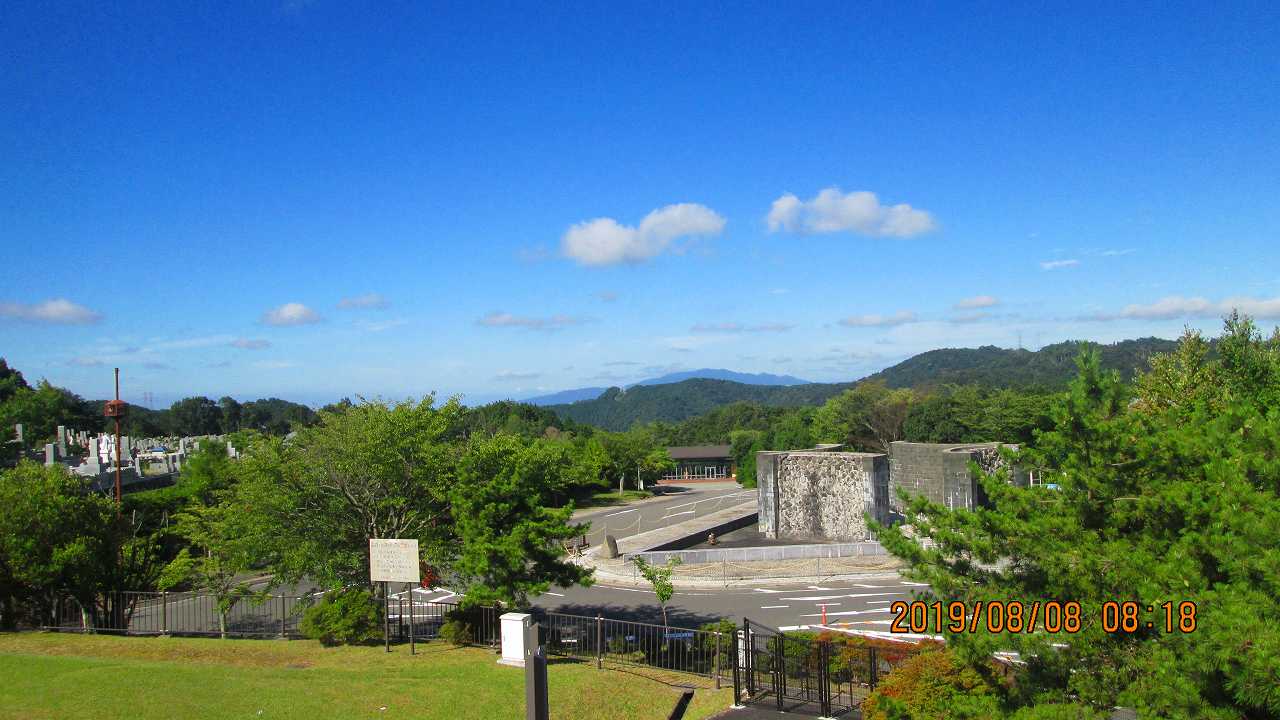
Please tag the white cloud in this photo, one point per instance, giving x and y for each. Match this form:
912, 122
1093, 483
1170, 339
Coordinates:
250, 344
899, 318
58, 311
1117, 253
368, 301
275, 365
1056, 264
516, 375
503, 319
977, 301
857, 212
735, 327
384, 325
290, 314
1176, 306
604, 241
971, 317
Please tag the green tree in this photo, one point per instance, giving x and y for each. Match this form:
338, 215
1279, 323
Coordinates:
195, 416
659, 578
628, 453
374, 471
510, 541
218, 555
55, 536
42, 409
868, 417
230, 412
1156, 501
11, 381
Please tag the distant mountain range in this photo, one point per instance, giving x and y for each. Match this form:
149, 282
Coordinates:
672, 400
591, 393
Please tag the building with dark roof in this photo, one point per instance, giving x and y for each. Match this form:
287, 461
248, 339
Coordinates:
700, 462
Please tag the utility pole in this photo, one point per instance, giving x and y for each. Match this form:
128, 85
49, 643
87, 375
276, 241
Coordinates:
116, 409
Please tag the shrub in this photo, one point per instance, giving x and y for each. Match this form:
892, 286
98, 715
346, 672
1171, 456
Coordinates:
344, 617
457, 631
932, 685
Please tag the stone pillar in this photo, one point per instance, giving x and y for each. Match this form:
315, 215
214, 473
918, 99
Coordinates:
62, 441
48, 454
17, 431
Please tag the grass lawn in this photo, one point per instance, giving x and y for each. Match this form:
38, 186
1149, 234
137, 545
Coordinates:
51, 675
611, 497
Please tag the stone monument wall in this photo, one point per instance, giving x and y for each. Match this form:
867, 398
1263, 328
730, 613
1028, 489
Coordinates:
821, 495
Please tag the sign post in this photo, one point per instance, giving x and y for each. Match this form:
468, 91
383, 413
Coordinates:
394, 560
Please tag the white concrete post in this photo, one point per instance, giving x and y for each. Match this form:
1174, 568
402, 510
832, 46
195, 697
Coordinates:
48, 454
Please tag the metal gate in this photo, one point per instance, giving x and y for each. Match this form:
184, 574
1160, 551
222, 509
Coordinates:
799, 674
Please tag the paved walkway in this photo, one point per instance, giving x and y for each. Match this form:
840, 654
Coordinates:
769, 711
622, 571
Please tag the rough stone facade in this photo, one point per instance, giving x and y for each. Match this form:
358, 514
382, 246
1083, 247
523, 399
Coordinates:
825, 495
821, 495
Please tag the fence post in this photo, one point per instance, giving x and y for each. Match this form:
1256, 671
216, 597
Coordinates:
599, 642
715, 664
780, 662
874, 673
819, 561
749, 661
724, 572
737, 673
164, 613
824, 679
283, 616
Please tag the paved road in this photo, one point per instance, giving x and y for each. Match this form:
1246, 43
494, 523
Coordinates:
861, 604
684, 503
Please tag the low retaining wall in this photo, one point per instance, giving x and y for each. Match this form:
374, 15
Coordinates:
700, 535
772, 552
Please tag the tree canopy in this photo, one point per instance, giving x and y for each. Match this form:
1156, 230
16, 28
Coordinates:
1171, 495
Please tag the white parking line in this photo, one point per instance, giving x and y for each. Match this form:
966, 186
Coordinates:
621, 512
819, 598
773, 607
686, 512
842, 613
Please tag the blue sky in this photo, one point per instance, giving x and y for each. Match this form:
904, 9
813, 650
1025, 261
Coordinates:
318, 199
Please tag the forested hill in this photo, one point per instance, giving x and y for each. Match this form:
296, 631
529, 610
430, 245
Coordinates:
619, 409
1051, 368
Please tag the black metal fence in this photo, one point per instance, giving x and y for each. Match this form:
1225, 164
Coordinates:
181, 613
600, 639
425, 620
827, 673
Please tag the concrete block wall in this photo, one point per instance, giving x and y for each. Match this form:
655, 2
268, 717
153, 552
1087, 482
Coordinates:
940, 472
